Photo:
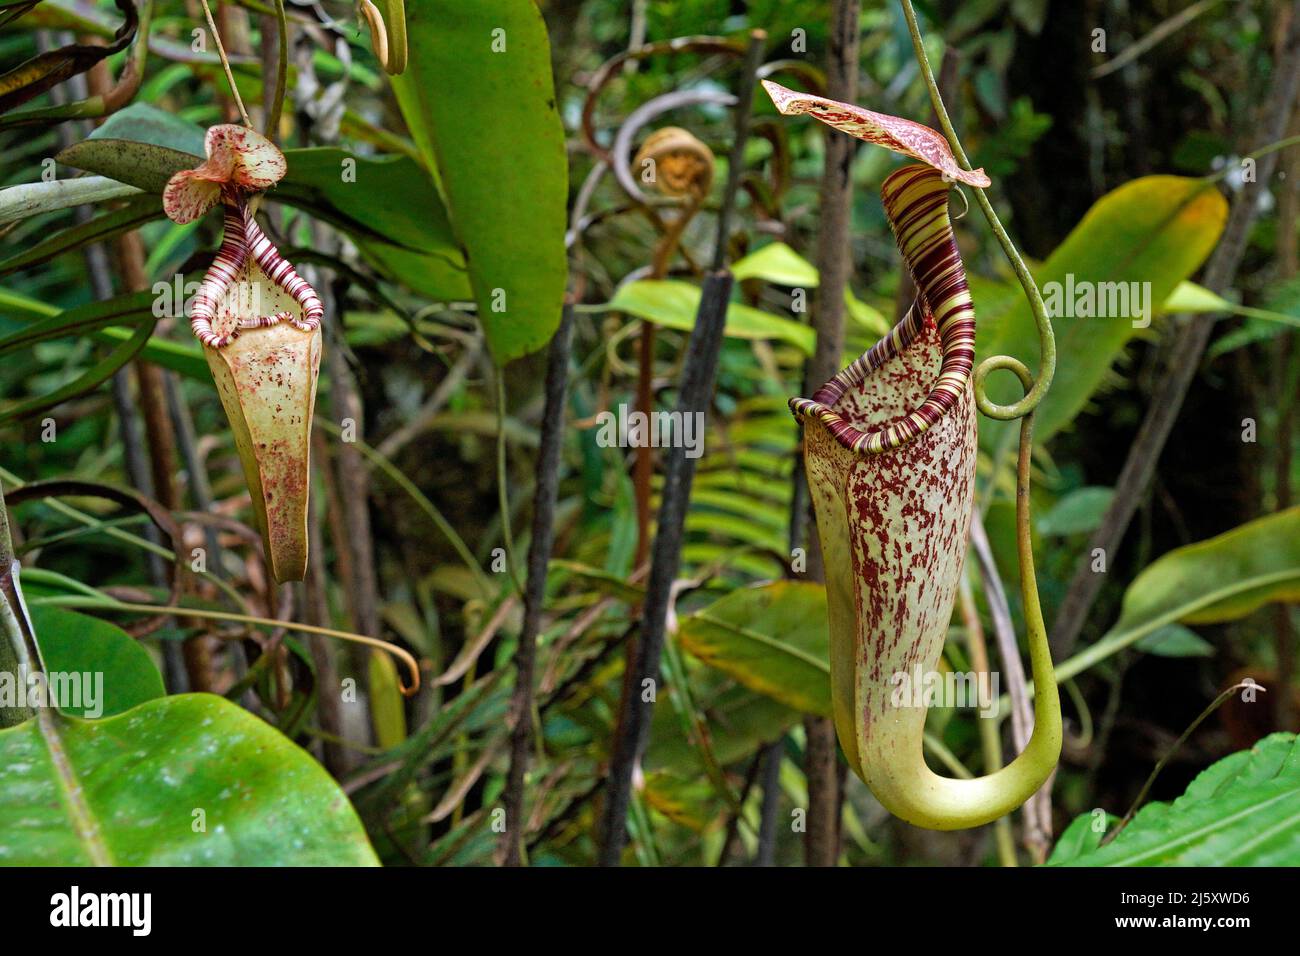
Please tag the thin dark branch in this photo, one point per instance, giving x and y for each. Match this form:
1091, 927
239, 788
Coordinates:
773, 754
834, 264
698, 372
539, 556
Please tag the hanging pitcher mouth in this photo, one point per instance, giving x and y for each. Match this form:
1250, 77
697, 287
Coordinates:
952, 379
916, 203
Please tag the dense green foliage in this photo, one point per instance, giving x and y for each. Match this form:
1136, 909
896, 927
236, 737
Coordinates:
446, 215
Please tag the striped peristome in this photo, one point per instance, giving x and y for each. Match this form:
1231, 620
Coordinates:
240, 163
916, 203
244, 238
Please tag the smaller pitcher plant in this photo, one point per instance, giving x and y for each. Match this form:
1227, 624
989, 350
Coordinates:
260, 326
890, 446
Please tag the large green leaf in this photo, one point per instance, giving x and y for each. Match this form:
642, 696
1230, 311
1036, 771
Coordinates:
73, 643
128, 790
32, 199
390, 207
478, 99
140, 145
132, 214
1242, 811
186, 359
772, 638
673, 304
1156, 230
1221, 579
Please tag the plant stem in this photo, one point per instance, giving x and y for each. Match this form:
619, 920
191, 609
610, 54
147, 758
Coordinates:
1168, 755
109, 604
15, 648
1046, 340
225, 63
503, 489
694, 399
539, 556
770, 807
990, 739
281, 72
821, 838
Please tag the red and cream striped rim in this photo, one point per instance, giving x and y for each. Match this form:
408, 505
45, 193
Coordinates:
916, 203
244, 238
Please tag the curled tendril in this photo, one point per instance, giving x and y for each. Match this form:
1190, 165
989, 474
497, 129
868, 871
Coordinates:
724, 46
683, 166
641, 117
1035, 389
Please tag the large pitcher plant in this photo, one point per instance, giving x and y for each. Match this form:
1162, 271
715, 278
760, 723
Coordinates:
259, 324
889, 449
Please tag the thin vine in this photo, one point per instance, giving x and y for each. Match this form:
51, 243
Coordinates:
1046, 338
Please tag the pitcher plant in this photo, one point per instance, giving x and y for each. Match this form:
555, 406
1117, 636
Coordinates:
259, 324
890, 446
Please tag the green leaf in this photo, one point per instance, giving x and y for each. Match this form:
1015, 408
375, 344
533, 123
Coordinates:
32, 199
88, 380
738, 721
81, 320
387, 199
1083, 835
391, 209
772, 638
673, 304
386, 710
1220, 579
779, 264
124, 791
1175, 640
73, 643
1242, 811
1190, 297
132, 214
141, 145
1156, 230
487, 123
186, 359
1079, 511
611, 585
1224, 578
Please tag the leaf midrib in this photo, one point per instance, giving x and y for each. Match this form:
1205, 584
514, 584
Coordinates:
1218, 824
761, 638
79, 812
